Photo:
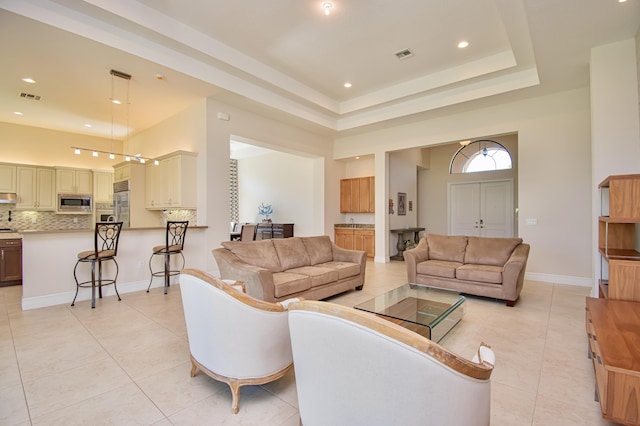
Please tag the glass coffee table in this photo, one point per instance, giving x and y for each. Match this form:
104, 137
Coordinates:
429, 311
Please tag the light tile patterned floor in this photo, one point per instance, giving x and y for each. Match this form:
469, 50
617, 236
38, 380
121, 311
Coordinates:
128, 362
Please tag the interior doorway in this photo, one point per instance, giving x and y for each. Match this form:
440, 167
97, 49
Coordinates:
483, 209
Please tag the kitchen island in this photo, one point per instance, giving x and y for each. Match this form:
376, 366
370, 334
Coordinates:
48, 259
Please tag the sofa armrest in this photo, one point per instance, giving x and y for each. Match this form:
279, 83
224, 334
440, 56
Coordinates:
412, 257
513, 272
352, 256
258, 281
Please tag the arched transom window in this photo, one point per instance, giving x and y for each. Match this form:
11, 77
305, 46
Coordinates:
480, 156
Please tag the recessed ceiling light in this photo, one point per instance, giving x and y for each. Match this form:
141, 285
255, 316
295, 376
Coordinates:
327, 6
347, 85
463, 44
28, 80
115, 101
621, 1
357, 158
17, 112
87, 125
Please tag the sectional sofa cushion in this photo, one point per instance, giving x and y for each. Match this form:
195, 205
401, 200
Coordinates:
439, 268
447, 247
490, 251
319, 249
291, 253
319, 275
286, 283
481, 273
344, 269
258, 253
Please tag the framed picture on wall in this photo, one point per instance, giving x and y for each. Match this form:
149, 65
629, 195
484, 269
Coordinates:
402, 203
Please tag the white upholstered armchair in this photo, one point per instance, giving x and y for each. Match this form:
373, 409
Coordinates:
233, 337
353, 368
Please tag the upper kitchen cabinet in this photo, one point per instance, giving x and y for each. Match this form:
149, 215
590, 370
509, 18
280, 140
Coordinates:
102, 186
171, 185
36, 188
74, 181
8, 178
121, 171
357, 195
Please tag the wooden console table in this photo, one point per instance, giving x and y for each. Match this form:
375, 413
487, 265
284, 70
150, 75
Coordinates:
400, 245
613, 328
267, 231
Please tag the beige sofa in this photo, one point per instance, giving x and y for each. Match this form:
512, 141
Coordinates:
278, 269
482, 266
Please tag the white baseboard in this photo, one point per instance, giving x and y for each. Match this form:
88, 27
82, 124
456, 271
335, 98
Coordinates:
559, 279
85, 294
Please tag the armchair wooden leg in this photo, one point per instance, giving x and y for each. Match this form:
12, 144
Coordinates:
235, 394
194, 368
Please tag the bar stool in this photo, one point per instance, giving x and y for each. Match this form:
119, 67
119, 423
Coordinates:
174, 243
105, 247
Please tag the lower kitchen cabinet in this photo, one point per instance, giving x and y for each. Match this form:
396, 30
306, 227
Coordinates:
362, 239
10, 262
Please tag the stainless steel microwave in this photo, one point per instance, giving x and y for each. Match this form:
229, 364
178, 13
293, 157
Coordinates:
75, 203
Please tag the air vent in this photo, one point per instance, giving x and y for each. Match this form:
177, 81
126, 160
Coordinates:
404, 54
30, 96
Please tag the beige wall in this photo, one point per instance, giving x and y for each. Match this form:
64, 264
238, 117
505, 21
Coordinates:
283, 180
43, 147
433, 182
554, 173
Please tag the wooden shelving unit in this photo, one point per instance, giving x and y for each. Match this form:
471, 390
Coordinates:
617, 227
613, 320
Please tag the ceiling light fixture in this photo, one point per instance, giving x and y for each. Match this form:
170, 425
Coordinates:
128, 157
347, 85
28, 80
327, 6
17, 112
112, 155
463, 44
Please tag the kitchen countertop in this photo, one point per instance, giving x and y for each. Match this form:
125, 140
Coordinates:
66, 231
354, 225
10, 236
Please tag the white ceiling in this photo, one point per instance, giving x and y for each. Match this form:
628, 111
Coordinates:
287, 59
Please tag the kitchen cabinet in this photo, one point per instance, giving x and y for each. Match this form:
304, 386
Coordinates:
357, 195
363, 239
74, 181
102, 187
36, 188
343, 237
8, 178
172, 184
121, 171
10, 262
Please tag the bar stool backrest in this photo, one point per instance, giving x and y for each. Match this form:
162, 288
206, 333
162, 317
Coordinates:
176, 231
107, 235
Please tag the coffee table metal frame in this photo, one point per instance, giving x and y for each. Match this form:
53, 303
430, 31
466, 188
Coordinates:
429, 311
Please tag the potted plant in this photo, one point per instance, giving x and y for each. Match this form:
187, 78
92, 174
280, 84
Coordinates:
265, 210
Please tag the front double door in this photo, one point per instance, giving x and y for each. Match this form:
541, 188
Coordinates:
483, 209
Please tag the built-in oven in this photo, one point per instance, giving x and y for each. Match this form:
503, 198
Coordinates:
104, 212
75, 203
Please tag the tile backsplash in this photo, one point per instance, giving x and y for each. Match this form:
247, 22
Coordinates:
41, 221
51, 221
